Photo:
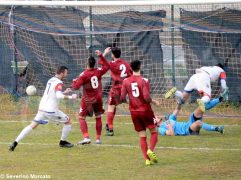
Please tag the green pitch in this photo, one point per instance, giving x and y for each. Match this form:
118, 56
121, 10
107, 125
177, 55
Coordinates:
208, 156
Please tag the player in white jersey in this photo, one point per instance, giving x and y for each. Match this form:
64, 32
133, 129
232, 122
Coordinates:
49, 109
201, 81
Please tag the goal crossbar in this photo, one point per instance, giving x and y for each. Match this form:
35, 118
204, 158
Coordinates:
115, 3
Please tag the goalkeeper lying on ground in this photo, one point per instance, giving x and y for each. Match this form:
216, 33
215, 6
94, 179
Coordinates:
171, 127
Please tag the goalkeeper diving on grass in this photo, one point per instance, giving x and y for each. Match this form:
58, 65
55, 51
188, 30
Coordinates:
201, 81
171, 127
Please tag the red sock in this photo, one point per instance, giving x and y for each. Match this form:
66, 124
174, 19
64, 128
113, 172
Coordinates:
144, 147
83, 127
153, 140
110, 118
98, 127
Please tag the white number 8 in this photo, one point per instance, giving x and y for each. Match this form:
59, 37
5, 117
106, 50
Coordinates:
94, 82
135, 89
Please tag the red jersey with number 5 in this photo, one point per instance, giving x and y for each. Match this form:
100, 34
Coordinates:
138, 90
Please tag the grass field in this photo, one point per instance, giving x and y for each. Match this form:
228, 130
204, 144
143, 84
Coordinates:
208, 156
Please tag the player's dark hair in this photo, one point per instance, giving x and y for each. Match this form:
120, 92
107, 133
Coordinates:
61, 69
220, 65
91, 62
136, 65
116, 52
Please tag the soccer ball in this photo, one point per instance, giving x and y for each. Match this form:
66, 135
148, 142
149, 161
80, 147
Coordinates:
31, 90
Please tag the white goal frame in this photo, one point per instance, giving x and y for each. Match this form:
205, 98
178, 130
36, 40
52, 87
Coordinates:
114, 3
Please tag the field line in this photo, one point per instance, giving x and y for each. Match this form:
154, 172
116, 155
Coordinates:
93, 122
132, 146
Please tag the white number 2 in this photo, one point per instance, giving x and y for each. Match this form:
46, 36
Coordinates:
135, 89
123, 71
94, 82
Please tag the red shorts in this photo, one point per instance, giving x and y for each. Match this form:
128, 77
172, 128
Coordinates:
114, 96
87, 109
143, 120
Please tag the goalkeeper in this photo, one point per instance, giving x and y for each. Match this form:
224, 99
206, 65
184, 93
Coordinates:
201, 81
171, 127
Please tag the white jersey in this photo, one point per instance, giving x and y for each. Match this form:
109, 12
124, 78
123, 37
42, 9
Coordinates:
214, 72
49, 101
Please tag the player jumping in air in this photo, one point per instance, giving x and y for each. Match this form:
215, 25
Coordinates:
120, 69
91, 101
201, 81
49, 109
138, 90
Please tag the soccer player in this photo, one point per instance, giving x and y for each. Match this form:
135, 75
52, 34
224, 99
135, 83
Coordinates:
91, 101
172, 127
138, 90
201, 81
49, 109
120, 69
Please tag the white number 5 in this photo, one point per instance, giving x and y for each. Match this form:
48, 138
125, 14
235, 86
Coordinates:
135, 90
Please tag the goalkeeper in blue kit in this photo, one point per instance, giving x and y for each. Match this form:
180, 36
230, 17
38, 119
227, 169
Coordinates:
171, 127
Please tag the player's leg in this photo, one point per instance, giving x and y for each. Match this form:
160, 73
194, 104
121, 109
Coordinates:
144, 147
26, 131
153, 142
98, 109
204, 89
147, 119
110, 118
213, 103
113, 101
98, 127
141, 129
84, 130
195, 127
209, 127
61, 117
83, 124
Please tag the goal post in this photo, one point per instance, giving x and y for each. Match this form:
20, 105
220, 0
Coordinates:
171, 38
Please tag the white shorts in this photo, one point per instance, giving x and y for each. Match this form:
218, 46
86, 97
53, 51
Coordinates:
199, 82
43, 117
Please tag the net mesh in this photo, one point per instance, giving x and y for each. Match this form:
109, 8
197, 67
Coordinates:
171, 42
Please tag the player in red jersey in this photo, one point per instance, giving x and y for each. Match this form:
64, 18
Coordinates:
120, 69
91, 101
138, 90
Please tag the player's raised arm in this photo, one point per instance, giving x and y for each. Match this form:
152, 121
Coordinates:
105, 64
102, 60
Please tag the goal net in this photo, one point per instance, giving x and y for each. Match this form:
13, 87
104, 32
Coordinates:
171, 40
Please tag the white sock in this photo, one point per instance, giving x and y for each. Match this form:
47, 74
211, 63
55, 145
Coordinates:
23, 133
179, 94
205, 99
65, 131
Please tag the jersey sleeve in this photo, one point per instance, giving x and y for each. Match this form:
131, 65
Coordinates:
223, 75
105, 65
78, 82
59, 87
102, 60
146, 91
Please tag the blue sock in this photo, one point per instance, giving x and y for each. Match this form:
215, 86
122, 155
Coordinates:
212, 103
208, 127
